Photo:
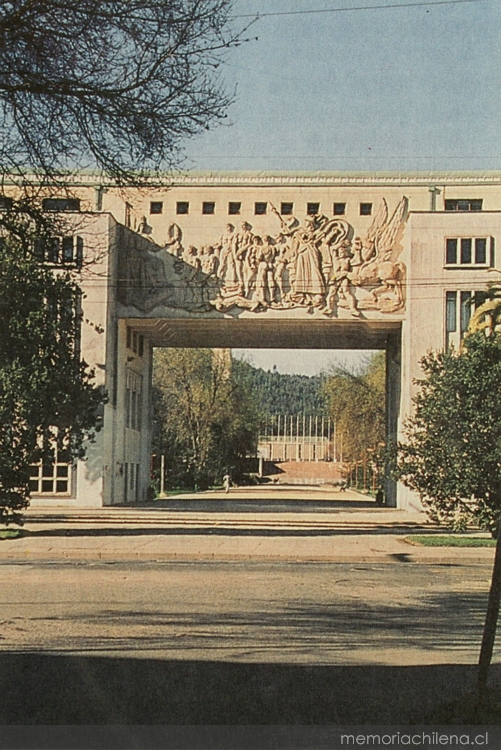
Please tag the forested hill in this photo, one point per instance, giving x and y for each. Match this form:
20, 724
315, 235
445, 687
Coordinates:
285, 394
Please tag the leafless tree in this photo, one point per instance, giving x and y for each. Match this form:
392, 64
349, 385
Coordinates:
110, 84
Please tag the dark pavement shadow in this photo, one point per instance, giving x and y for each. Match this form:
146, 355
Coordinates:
128, 531
48, 689
232, 505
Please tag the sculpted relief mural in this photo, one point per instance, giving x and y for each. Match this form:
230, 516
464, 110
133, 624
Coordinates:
322, 264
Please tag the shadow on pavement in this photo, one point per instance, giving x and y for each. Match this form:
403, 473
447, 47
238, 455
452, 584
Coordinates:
233, 505
244, 505
221, 530
47, 689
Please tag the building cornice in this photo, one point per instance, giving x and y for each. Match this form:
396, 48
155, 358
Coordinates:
278, 179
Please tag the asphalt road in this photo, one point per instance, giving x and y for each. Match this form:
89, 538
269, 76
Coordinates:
236, 642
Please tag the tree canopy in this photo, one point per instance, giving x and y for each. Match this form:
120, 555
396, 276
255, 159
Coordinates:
356, 401
47, 399
206, 417
452, 452
282, 393
112, 84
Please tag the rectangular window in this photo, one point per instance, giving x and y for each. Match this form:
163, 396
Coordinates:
133, 416
182, 207
67, 249
312, 209
479, 298
126, 481
260, 209
286, 209
80, 252
133, 401
127, 407
61, 204
469, 204
234, 208
54, 250
129, 337
451, 251
52, 475
140, 346
365, 209
459, 307
468, 251
6, 203
339, 209
59, 250
466, 307
451, 312
156, 207
208, 208
128, 215
480, 250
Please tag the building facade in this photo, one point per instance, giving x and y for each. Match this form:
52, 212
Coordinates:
308, 261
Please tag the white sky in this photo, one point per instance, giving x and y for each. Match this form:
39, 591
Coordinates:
299, 361
401, 88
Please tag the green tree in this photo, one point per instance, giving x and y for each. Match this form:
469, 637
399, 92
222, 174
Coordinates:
285, 394
205, 415
452, 452
356, 402
47, 399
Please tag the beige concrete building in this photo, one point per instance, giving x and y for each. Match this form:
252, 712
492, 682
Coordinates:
308, 261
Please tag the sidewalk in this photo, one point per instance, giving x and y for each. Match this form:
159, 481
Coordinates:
272, 524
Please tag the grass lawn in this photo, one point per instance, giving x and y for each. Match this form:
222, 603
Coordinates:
10, 533
449, 540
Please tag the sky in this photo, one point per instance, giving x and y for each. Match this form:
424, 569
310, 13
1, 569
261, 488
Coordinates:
376, 89
300, 361
395, 88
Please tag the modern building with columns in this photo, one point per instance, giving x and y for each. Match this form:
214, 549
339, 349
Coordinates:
301, 260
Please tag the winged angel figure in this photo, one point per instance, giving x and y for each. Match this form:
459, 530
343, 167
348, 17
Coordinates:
378, 265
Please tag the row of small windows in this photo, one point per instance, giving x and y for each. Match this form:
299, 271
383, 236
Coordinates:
468, 204
459, 307
61, 204
60, 250
260, 208
478, 251
48, 204
234, 207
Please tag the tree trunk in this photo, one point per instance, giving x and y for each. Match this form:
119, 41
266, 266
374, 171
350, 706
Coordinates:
491, 619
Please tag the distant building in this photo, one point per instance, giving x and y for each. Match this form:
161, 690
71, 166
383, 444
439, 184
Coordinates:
299, 438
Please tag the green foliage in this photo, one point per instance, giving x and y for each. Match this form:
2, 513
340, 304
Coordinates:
452, 452
206, 417
46, 393
356, 402
286, 394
